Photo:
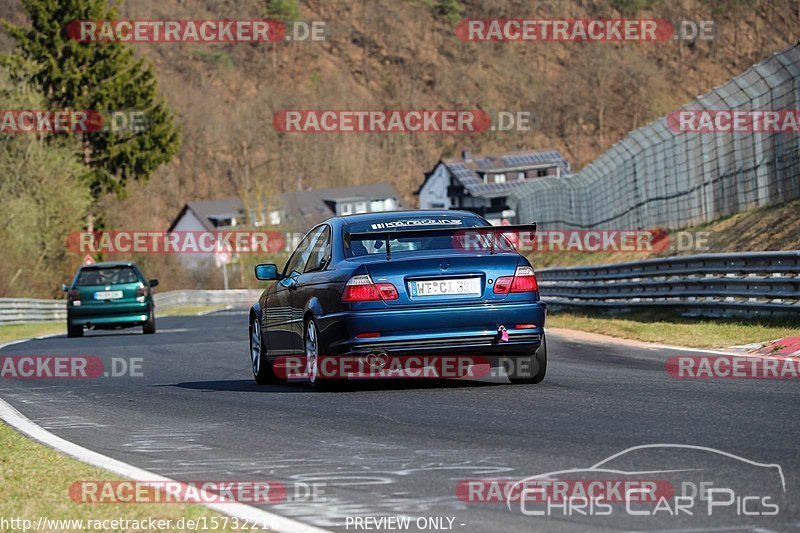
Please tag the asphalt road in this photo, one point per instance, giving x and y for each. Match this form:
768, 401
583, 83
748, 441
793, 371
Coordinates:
401, 449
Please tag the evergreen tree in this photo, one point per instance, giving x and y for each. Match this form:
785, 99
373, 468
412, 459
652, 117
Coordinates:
448, 10
285, 10
97, 76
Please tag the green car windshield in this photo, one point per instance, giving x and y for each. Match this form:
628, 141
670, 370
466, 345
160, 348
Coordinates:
107, 276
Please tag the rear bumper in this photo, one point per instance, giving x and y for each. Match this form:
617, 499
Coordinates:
452, 330
111, 316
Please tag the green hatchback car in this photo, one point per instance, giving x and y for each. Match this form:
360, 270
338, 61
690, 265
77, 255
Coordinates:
110, 296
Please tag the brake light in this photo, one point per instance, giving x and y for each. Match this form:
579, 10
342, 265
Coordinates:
362, 289
524, 280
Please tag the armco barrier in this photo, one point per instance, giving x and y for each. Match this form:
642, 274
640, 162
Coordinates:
755, 283
20, 310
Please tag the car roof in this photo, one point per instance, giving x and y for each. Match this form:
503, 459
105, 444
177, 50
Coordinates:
380, 216
110, 264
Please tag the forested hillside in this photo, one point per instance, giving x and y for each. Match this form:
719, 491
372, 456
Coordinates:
392, 54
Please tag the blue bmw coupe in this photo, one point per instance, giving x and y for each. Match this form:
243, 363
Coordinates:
427, 288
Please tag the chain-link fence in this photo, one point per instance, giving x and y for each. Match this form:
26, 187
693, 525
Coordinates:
655, 177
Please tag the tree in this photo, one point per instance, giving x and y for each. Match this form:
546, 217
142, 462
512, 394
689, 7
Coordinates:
43, 197
631, 7
286, 10
103, 77
448, 10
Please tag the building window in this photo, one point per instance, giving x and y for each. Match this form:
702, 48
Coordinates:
520, 176
274, 217
389, 204
542, 172
376, 205
346, 208
361, 207
500, 178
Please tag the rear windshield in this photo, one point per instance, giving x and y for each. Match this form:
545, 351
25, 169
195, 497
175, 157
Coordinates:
360, 246
107, 276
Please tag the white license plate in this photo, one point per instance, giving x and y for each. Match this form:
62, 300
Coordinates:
442, 287
107, 295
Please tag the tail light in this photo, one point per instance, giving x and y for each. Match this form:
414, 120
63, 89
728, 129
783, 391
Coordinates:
362, 289
74, 297
141, 292
524, 280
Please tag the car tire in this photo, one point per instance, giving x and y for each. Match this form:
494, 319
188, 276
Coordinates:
311, 350
538, 365
149, 327
74, 331
262, 370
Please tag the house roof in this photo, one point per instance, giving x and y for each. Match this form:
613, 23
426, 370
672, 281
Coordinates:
469, 171
310, 207
301, 207
206, 210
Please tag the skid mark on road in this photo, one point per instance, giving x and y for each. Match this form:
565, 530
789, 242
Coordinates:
364, 483
164, 440
67, 422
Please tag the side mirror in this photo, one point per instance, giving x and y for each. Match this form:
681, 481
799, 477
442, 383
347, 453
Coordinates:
153, 283
65, 287
267, 272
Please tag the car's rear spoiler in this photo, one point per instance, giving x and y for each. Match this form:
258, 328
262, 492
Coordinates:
387, 234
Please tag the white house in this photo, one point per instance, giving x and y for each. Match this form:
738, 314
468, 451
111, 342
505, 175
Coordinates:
482, 183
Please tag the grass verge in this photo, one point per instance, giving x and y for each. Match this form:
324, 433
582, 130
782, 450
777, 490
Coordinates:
774, 227
667, 328
14, 332
187, 310
33, 329
36, 481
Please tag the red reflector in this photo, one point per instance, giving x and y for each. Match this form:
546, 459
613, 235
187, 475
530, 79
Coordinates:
523, 281
525, 326
388, 291
502, 285
368, 335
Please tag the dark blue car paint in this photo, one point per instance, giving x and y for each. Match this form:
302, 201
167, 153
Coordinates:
459, 325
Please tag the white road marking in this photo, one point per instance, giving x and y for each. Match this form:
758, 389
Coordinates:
245, 512
252, 515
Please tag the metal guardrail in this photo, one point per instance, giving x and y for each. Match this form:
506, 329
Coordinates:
21, 310
754, 283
